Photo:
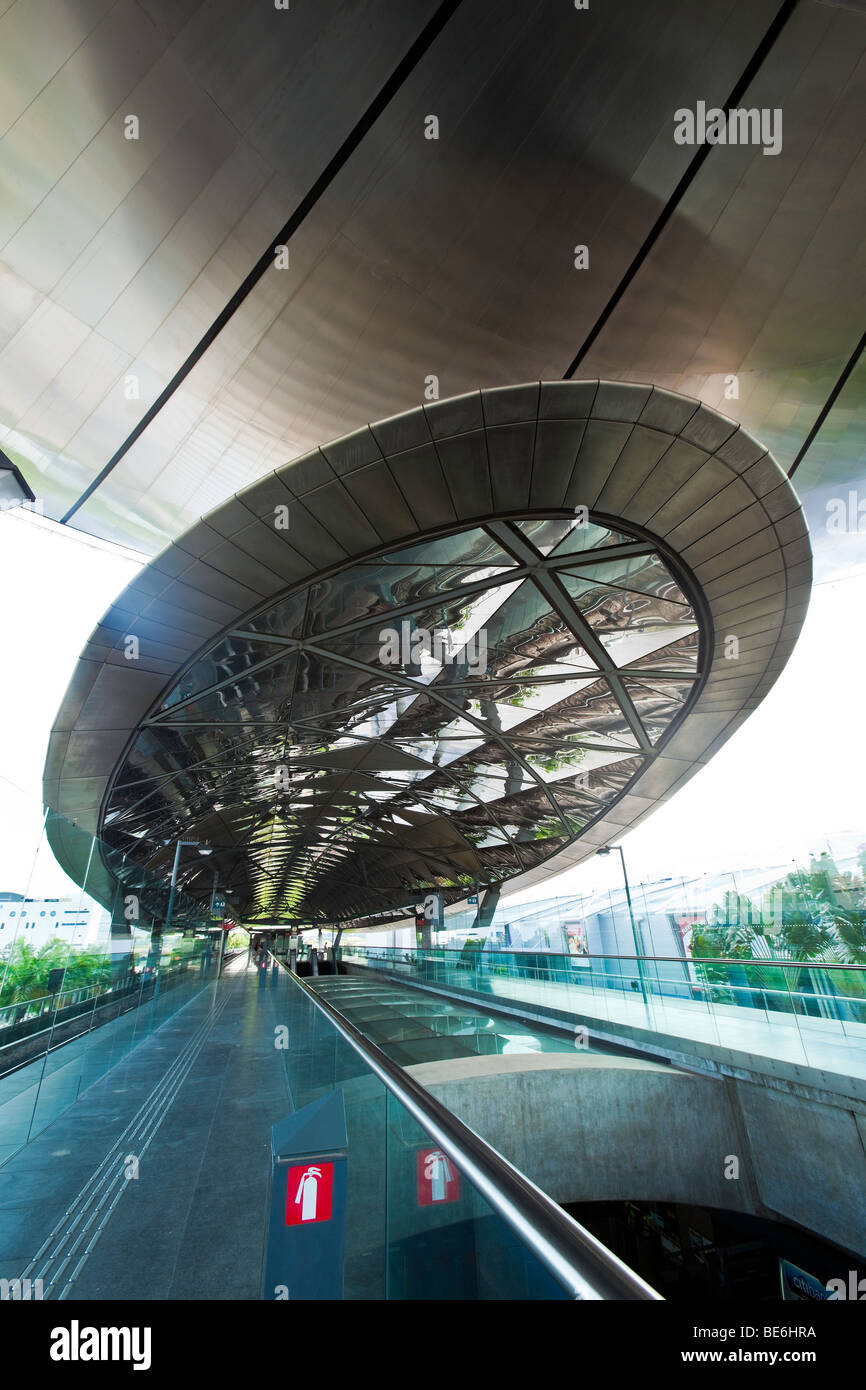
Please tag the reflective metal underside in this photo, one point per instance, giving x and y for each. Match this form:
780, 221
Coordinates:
447, 714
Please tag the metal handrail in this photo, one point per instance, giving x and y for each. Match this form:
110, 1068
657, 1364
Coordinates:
566, 955
569, 1252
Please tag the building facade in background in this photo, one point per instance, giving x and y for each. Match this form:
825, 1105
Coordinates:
37, 921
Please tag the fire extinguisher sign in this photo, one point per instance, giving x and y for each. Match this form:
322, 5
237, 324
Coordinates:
309, 1184
309, 1193
437, 1178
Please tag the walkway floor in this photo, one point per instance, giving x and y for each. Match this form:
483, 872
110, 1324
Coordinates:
194, 1103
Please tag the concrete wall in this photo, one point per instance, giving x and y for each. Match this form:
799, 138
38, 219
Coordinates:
810, 1159
595, 1128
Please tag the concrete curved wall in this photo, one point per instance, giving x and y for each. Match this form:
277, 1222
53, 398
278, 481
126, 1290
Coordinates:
593, 1128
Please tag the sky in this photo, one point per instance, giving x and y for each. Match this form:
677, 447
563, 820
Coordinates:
56, 584
791, 780
786, 783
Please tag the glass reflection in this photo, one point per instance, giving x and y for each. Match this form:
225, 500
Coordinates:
355, 765
625, 647
566, 535
283, 619
606, 607
255, 696
679, 657
370, 591
658, 702
645, 574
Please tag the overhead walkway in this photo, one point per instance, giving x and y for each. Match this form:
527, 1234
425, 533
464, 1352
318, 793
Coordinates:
155, 1183
798, 1022
739, 1063
413, 1028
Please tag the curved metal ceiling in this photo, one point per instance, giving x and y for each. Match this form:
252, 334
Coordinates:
455, 257
262, 714
448, 714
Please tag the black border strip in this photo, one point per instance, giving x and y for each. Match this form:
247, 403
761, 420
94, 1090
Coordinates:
403, 70
744, 82
828, 406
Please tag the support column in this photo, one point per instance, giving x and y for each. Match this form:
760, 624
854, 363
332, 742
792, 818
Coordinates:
125, 909
487, 909
121, 949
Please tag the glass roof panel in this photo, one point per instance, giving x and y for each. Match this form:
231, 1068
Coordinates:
568, 760
589, 537
368, 592
283, 619
680, 656
645, 574
327, 690
566, 535
467, 736
629, 645
606, 607
263, 695
434, 638
523, 703
473, 547
589, 713
658, 702
229, 660
519, 631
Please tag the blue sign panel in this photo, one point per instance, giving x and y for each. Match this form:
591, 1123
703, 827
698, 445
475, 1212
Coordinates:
798, 1286
307, 1215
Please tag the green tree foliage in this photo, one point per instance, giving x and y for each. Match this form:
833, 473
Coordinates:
813, 918
727, 942
25, 972
852, 933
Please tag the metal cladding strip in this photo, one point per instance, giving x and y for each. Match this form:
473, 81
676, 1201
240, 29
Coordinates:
664, 467
579, 1262
402, 71
749, 73
88, 1205
828, 405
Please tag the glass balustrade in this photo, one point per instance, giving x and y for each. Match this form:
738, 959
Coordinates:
418, 1225
796, 1011
87, 971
